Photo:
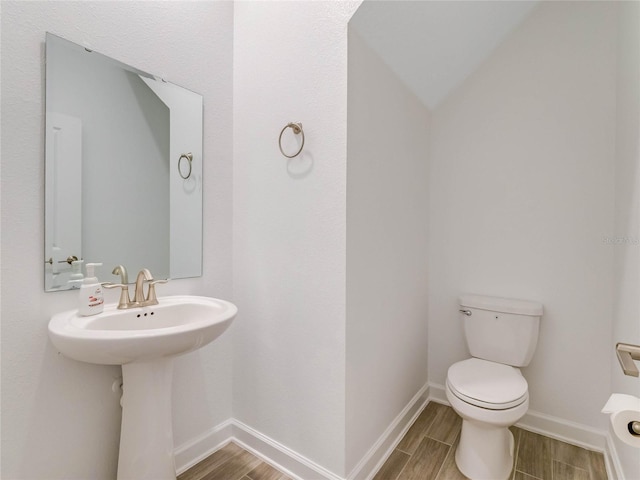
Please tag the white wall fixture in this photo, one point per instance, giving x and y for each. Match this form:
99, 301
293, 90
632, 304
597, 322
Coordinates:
296, 128
143, 340
624, 414
488, 390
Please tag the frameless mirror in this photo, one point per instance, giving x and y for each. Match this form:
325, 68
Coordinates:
123, 168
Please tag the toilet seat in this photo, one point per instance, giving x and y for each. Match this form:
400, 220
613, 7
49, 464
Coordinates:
486, 384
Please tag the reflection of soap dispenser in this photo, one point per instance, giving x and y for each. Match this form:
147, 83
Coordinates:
91, 301
76, 277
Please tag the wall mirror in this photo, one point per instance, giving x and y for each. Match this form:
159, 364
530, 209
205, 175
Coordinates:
123, 168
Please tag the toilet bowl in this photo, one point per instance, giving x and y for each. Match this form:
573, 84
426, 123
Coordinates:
490, 397
488, 390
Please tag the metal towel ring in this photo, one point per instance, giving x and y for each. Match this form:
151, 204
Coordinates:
297, 129
189, 157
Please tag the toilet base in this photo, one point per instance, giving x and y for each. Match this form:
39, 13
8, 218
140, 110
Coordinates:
485, 452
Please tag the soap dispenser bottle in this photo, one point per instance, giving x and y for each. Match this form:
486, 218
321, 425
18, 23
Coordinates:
91, 301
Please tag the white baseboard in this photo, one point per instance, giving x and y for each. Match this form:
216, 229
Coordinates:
290, 462
612, 461
564, 430
437, 394
196, 450
279, 456
384, 446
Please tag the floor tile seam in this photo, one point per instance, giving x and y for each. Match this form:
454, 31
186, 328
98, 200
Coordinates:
218, 467
432, 423
208, 471
528, 474
588, 469
516, 452
441, 441
449, 452
437, 439
403, 467
428, 427
405, 452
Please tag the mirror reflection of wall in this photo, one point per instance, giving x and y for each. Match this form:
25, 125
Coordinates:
113, 139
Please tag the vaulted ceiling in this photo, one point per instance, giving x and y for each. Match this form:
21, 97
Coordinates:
434, 45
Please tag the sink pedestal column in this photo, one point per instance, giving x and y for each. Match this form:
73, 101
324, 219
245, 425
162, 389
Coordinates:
146, 438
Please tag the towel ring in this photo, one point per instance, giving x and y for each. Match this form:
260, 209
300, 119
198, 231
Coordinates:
189, 158
297, 129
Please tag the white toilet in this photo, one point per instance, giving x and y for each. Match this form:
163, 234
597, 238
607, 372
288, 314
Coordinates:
488, 391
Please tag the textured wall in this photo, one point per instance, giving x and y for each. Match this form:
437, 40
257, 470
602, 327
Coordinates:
626, 233
290, 64
521, 188
60, 418
386, 248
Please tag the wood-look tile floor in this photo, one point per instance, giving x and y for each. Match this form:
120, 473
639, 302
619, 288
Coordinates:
426, 452
232, 463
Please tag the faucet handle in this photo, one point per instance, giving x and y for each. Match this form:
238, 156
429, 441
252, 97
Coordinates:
125, 300
151, 293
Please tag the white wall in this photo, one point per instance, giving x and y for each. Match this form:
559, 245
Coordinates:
626, 234
386, 332
60, 418
521, 186
290, 64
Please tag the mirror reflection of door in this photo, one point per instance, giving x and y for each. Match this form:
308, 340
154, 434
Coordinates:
63, 196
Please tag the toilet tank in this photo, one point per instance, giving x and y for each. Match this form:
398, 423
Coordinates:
501, 330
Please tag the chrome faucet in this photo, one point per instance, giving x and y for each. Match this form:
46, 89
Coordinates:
139, 300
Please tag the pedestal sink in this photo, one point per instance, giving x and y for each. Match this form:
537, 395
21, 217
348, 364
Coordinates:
144, 341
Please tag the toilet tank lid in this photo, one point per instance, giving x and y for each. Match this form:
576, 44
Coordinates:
503, 305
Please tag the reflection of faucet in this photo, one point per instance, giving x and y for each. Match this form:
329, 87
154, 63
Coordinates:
139, 299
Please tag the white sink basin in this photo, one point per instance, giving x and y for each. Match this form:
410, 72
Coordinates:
144, 341
178, 324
